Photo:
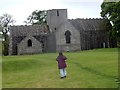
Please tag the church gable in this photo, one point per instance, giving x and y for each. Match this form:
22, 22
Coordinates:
29, 45
19, 33
67, 38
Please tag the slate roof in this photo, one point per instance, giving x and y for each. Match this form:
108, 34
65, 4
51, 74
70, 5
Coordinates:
89, 24
31, 29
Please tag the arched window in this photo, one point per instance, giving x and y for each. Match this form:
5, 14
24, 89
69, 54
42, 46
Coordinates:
57, 13
67, 37
29, 43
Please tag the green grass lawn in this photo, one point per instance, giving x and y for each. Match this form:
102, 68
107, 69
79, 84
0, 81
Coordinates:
86, 69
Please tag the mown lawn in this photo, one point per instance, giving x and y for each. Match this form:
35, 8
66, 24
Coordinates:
86, 69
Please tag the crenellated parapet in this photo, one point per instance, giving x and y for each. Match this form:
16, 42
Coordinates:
87, 19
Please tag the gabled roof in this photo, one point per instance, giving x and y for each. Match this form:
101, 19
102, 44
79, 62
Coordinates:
89, 24
29, 30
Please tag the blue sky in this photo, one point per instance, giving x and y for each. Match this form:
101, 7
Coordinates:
21, 9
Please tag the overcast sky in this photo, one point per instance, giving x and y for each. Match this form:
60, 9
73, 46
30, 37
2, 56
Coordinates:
21, 9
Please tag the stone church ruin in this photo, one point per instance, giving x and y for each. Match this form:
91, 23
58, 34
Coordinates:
60, 34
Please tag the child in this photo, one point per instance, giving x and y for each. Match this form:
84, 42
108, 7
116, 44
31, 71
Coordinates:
62, 65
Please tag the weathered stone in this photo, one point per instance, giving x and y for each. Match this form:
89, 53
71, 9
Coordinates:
85, 34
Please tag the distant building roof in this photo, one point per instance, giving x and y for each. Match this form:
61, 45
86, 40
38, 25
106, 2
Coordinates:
31, 30
89, 24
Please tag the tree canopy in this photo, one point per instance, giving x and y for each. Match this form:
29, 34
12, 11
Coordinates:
5, 20
111, 11
37, 17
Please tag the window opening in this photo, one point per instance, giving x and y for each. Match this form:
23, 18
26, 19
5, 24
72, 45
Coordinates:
67, 37
29, 43
57, 13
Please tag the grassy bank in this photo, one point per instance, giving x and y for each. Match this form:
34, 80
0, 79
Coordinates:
86, 69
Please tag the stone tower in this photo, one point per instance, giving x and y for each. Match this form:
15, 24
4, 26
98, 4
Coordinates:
67, 38
55, 18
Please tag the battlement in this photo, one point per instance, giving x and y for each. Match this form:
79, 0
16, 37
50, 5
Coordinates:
87, 19
56, 9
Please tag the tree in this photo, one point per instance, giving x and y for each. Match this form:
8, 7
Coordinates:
37, 17
111, 11
5, 20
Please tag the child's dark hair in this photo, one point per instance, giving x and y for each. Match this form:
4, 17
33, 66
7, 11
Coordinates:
60, 53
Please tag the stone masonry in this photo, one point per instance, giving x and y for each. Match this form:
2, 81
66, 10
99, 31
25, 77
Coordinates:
60, 34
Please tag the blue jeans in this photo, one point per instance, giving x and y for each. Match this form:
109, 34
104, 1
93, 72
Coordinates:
63, 72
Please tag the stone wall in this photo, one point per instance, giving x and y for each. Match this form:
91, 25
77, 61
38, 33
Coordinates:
68, 47
93, 32
19, 33
51, 42
93, 39
74, 45
23, 47
54, 20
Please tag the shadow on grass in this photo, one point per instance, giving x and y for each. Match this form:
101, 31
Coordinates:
96, 72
